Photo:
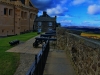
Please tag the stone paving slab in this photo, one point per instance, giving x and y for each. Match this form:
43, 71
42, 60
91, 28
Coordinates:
58, 64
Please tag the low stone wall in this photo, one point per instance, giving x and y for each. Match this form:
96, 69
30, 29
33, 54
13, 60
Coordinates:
84, 53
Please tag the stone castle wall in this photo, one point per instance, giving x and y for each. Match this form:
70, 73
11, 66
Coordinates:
83, 53
16, 17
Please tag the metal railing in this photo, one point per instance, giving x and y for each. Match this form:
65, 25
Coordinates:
37, 67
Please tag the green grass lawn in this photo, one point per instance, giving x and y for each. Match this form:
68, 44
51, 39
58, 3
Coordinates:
10, 61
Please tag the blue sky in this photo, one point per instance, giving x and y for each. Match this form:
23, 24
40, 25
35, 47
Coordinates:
71, 12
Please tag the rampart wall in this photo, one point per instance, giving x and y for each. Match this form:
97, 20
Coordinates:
83, 53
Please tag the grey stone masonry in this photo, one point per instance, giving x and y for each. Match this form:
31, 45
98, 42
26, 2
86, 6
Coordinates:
83, 53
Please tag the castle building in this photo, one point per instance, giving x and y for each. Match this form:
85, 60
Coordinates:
16, 16
44, 23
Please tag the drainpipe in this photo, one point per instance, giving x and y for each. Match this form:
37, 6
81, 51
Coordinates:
14, 20
29, 20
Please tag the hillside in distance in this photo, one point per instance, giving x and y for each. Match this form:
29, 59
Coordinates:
84, 29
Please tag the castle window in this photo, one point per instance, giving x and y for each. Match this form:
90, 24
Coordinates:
2, 30
39, 23
25, 15
50, 23
39, 30
10, 12
18, 27
22, 14
5, 11
31, 16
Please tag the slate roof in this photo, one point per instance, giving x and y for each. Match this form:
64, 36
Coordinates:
45, 19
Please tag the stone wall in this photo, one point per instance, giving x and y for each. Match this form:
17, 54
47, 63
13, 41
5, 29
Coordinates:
15, 17
84, 53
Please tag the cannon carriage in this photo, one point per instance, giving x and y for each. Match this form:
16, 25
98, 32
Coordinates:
44, 37
41, 40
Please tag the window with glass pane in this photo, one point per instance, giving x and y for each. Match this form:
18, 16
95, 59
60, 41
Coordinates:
49, 28
25, 15
50, 23
39, 23
22, 14
6, 11
39, 29
10, 12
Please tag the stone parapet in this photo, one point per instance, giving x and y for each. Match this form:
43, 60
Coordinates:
84, 53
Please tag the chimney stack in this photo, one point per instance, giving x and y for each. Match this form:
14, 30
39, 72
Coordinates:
44, 13
27, 2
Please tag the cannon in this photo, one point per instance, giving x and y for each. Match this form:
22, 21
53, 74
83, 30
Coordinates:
14, 42
50, 32
41, 40
47, 35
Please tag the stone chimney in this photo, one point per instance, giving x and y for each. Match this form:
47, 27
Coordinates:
44, 13
55, 16
27, 2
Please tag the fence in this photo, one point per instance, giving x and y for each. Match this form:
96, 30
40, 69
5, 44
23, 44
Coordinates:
37, 67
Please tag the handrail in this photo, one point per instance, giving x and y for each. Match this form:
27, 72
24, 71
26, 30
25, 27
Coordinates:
38, 65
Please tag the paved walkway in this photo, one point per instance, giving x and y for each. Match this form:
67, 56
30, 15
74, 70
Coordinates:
58, 64
26, 47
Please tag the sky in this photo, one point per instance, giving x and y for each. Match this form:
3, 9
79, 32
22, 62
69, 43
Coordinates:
71, 12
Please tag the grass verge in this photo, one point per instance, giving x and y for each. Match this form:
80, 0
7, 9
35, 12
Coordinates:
10, 61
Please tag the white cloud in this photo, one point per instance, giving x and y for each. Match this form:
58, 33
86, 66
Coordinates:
53, 7
43, 0
66, 16
94, 9
66, 22
91, 23
77, 2
58, 10
63, 1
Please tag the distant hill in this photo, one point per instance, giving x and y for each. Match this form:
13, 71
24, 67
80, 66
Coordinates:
85, 29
